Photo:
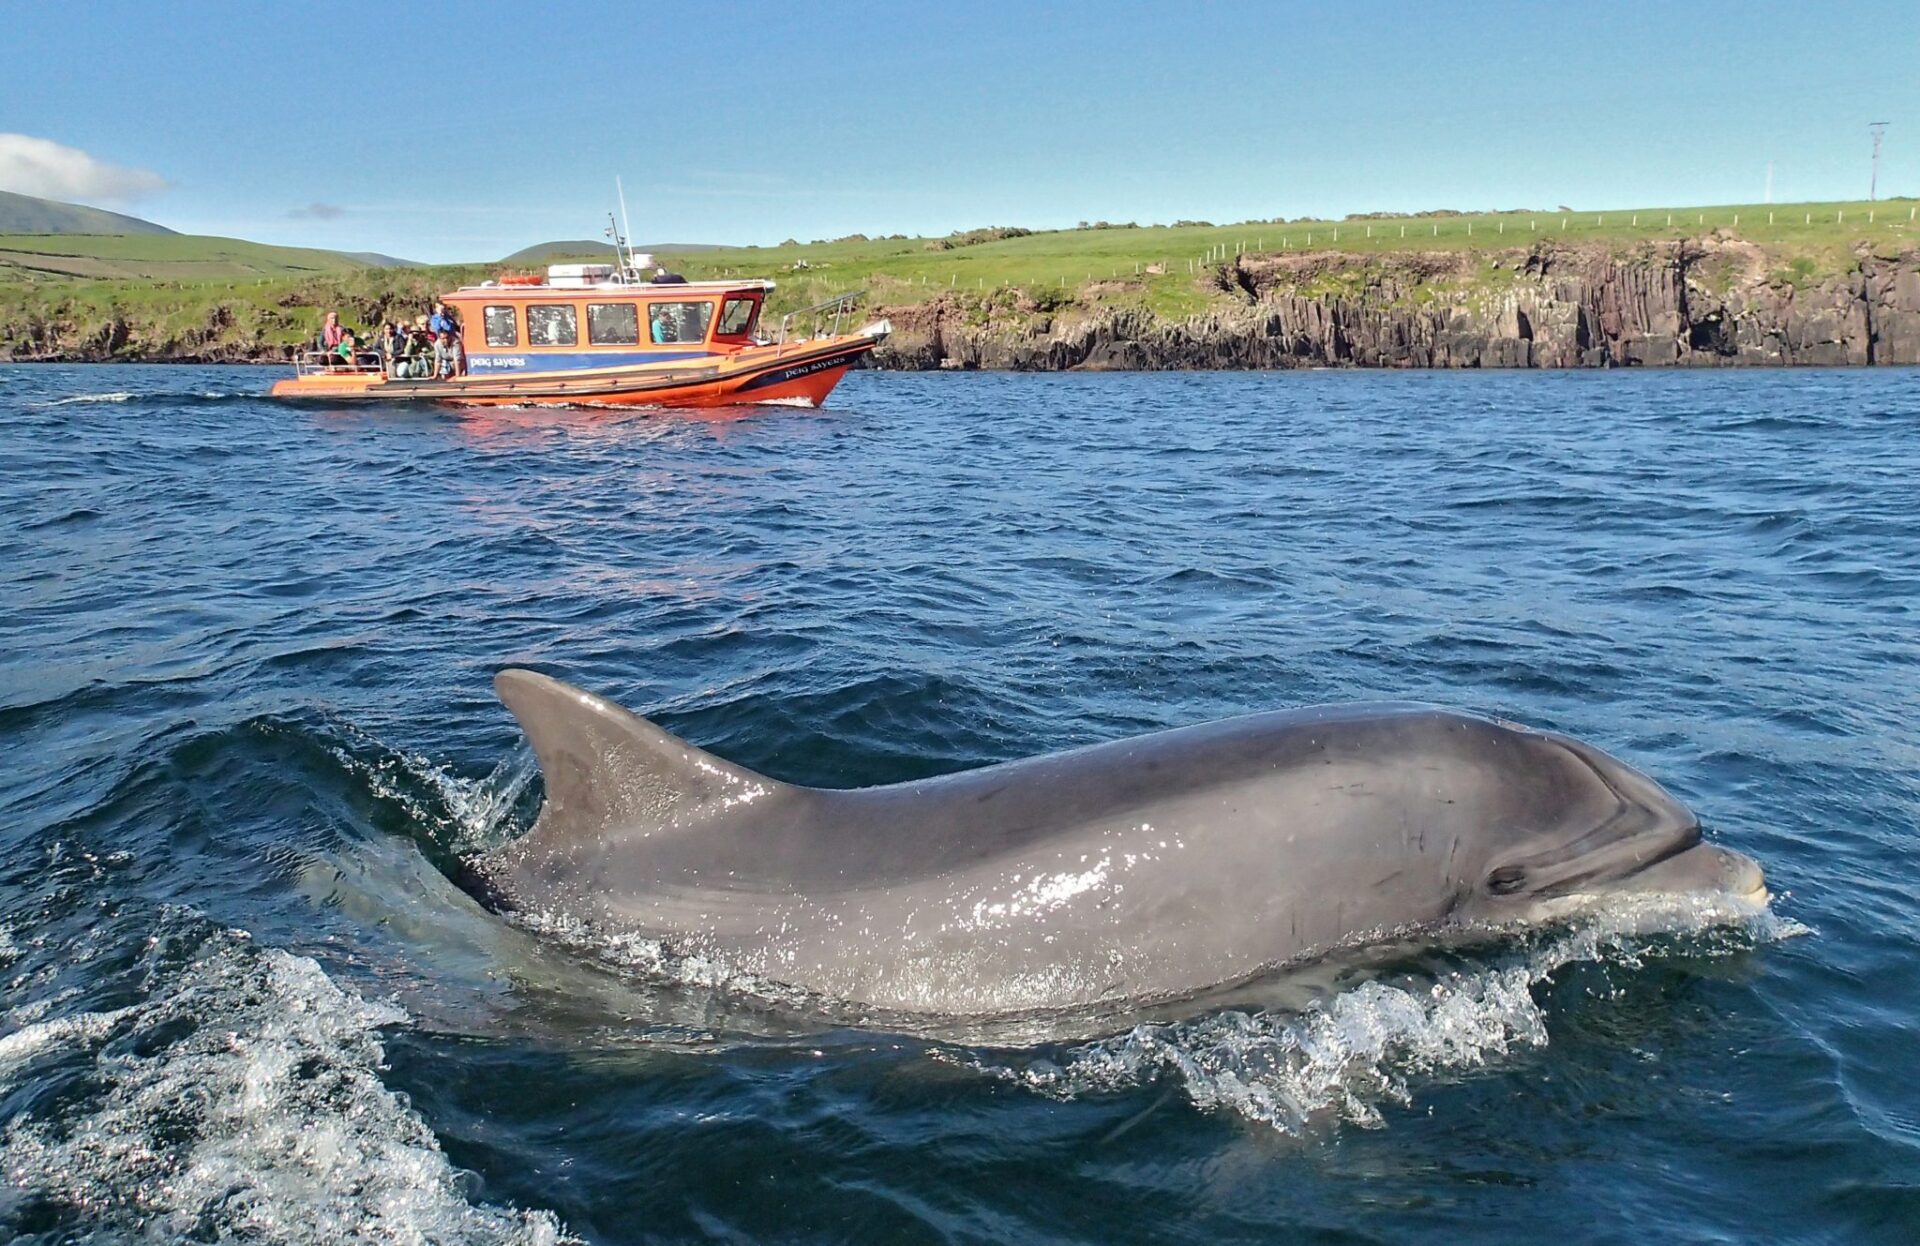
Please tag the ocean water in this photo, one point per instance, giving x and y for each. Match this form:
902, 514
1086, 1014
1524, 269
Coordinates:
247, 737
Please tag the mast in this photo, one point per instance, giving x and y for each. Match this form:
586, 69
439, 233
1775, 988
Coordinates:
626, 227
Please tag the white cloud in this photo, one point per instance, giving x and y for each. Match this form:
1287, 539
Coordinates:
318, 212
50, 170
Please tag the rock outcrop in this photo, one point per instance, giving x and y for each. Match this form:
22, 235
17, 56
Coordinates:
1714, 301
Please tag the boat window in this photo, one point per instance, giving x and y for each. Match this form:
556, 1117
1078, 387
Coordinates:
552, 324
736, 318
613, 324
503, 327
679, 322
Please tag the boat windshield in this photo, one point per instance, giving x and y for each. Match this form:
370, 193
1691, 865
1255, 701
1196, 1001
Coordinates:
737, 317
679, 322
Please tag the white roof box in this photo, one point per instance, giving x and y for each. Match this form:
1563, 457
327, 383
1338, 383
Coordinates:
576, 275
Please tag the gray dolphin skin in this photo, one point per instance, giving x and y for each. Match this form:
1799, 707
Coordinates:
1145, 869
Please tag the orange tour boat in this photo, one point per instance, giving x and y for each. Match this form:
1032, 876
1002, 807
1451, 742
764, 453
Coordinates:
597, 334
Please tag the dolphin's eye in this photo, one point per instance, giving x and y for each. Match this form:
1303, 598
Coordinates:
1506, 880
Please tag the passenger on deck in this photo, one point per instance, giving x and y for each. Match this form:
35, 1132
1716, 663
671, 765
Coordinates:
328, 342
416, 356
383, 347
453, 356
393, 344
443, 328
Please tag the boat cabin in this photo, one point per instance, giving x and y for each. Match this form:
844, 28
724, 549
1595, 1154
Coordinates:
583, 316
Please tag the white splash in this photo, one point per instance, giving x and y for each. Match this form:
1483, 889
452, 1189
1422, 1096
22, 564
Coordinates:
1369, 1045
652, 959
479, 811
242, 1103
116, 396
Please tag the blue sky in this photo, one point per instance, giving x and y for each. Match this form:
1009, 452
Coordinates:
464, 131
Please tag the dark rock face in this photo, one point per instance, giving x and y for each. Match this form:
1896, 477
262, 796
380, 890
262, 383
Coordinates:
1700, 302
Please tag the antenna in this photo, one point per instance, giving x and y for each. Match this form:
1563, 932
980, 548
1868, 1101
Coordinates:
1879, 129
626, 226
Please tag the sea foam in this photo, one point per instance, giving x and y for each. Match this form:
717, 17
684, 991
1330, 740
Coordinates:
242, 1101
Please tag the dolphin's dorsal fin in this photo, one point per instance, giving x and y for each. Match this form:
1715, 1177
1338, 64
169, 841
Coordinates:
609, 771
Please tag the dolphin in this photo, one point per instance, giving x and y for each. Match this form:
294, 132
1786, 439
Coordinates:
1137, 871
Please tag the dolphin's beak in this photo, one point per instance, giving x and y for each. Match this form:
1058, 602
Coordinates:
1705, 868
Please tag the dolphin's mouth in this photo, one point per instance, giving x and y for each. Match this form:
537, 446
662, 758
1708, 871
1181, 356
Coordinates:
1705, 869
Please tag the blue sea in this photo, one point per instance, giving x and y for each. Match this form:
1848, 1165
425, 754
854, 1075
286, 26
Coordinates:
247, 738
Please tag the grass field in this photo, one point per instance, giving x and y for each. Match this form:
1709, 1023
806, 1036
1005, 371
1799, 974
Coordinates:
157, 257
1083, 261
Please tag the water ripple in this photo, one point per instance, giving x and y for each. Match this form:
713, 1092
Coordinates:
244, 686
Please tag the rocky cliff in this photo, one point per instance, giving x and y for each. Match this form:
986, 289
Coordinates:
1712, 301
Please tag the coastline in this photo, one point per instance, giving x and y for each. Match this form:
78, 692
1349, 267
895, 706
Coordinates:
1715, 300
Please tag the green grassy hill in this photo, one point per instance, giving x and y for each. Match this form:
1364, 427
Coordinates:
25, 214
559, 252
158, 257
597, 252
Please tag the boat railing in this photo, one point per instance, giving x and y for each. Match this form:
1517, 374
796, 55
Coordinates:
814, 317
312, 361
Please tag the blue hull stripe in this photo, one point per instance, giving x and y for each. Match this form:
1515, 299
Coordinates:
487, 363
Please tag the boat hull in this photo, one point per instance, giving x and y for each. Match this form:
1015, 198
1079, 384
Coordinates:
805, 373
